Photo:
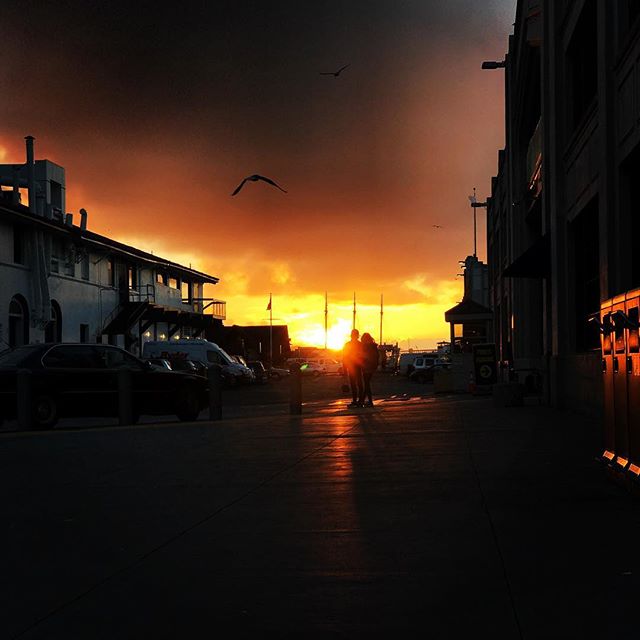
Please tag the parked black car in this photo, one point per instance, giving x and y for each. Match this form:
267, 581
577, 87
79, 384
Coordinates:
259, 371
82, 380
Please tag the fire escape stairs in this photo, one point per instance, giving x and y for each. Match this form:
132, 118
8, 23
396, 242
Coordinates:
125, 316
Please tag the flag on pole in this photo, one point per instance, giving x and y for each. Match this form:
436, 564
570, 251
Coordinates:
269, 305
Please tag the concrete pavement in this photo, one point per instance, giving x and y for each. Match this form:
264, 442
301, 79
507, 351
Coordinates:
430, 517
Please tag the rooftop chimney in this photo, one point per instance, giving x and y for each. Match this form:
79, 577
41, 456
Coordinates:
31, 176
83, 219
68, 219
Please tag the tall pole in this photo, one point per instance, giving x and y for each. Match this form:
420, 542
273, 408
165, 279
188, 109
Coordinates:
381, 314
474, 224
270, 332
326, 312
354, 310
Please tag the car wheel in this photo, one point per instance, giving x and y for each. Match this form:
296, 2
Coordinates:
190, 407
45, 412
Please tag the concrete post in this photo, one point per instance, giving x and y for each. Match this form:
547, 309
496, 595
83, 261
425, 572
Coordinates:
125, 397
295, 400
24, 399
214, 377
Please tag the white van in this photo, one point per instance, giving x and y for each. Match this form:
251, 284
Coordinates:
405, 362
199, 350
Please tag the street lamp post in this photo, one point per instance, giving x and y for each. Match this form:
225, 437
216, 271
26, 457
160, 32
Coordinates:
475, 205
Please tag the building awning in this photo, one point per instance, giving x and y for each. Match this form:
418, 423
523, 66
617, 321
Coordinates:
535, 262
468, 311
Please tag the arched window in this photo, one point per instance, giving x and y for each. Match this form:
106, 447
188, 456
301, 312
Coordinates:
18, 322
53, 330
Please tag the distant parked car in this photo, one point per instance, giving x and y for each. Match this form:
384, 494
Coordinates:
276, 373
311, 369
425, 374
259, 371
82, 380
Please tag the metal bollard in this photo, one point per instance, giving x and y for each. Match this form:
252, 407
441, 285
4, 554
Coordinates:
23, 399
214, 376
295, 400
125, 396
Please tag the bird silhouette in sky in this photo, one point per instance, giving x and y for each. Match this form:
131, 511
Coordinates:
254, 178
436, 226
334, 73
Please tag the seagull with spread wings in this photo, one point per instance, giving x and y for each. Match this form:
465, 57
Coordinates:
436, 226
254, 178
334, 73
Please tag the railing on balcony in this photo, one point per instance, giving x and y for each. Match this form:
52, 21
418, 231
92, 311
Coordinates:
534, 162
211, 306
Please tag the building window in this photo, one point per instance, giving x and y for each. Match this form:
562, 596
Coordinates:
69, 263
111, 272
84, 333
18, 322
583, 62
53, 330
173, 283
132, 277
18, 245
186, 291
161, 278
586, 269
84, 267
56, 255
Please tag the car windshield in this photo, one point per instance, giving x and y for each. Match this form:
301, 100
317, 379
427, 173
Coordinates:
226, 356
16, 356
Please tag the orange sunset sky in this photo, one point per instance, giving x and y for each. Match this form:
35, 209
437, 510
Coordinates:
158, 114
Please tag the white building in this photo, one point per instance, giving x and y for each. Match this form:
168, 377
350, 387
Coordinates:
61, 282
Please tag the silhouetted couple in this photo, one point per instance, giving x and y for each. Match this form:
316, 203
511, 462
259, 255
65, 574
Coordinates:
360, 360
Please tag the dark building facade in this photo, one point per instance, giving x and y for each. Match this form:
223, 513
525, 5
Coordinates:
562, 221
254, 342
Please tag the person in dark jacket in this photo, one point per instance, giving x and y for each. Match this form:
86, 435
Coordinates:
369, 365
352, 364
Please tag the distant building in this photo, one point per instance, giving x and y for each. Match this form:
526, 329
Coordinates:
62, 282
562, 222
253, 342
471, 319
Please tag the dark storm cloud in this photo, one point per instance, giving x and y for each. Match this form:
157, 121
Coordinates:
218, 64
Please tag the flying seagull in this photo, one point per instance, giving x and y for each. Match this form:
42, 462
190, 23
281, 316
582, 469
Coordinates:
254, 178
334, 73
436, 226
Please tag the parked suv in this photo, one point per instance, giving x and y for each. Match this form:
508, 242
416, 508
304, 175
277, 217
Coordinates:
82, 380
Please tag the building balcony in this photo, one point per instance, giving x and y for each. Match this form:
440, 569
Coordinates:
171, 298
208, 306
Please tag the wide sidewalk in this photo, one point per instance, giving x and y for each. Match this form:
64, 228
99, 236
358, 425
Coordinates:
437, 518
